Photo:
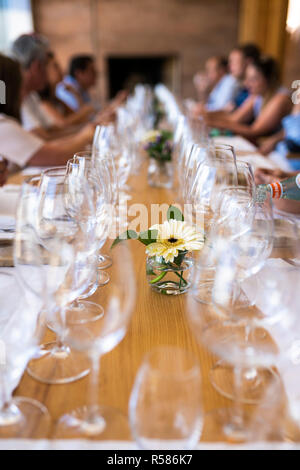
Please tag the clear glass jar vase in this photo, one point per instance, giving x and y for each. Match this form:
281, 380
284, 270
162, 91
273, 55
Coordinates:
160, 174
169, 278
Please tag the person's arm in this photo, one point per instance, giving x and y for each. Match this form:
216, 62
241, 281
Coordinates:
54, 133
269, 144
74, 118
243, 114
267, 121
265, 176
3, 171
59, 151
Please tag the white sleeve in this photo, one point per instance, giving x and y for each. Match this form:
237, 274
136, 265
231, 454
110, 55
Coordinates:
17, 145
29, 120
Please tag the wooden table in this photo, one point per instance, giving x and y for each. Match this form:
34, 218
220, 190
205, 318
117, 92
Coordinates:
157, 320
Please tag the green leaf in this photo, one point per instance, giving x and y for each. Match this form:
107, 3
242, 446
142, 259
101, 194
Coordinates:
148, 237
128, 235
175, 214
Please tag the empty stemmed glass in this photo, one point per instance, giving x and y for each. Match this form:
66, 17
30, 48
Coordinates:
96, 421
102, 167
20, 333
68, 259
165, 406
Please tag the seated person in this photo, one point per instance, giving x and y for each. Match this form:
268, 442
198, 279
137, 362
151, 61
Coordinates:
31, 52
61, 114
3, 171
74, 89
263, 176
261, 114
219, 87
287, 140
21, 147
239, 59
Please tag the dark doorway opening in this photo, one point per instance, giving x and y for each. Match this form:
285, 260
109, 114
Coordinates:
126, 72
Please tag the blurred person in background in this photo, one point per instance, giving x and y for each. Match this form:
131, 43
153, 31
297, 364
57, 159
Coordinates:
287, 140
265, 108
239, 59
61, 114
31, 51
21, 147
216, 87
73, 90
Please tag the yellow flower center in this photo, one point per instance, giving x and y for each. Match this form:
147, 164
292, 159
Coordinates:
172, 242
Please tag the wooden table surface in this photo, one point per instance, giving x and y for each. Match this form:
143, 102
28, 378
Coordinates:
157, 320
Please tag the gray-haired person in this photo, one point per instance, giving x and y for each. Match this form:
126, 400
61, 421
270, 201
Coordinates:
31, 51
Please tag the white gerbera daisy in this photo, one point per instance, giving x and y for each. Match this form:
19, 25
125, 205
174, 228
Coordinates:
174, 236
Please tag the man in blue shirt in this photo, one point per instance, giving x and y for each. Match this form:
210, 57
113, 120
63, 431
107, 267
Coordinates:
74, 89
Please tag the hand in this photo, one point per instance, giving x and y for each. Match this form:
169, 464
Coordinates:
264, 176
201, 82
87, 132
121, 96
105, 117
3, 171
198, 109
267, 146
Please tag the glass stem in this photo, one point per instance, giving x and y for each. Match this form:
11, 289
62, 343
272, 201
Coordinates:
249, 374
94, 382
60, 336
238, 410
9, 413
4, 396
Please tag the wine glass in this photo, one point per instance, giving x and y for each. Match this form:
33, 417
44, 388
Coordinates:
20, 330
214, 173
165, 406
69, 262
240, 336
103, 169
96, 421
81, 171
248, 228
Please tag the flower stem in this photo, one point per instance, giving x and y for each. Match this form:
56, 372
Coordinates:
158, 278
181, 278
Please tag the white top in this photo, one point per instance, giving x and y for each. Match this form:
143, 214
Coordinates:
33, 115
223, 93
17, 145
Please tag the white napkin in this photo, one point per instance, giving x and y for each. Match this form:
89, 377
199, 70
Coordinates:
257, 160
17, 344
9, 196
239, 143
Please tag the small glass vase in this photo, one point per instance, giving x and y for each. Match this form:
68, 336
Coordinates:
160, 174
169, 278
